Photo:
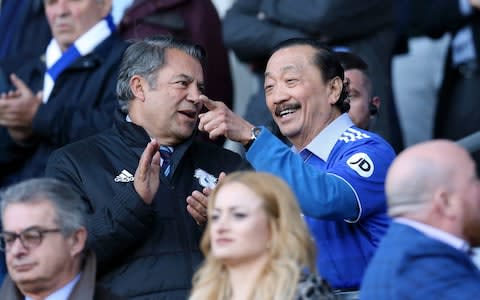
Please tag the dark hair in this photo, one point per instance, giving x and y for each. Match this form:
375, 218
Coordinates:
351, 61
145, 58
327, 63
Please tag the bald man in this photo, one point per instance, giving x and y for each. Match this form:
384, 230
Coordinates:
433, 193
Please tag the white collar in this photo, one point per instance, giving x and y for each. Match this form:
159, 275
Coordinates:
84, 44
64, 292
437, 234
322, 145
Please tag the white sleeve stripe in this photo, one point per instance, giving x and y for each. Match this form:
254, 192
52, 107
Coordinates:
356, 197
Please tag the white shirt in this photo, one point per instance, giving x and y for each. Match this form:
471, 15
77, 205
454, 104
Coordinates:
437, 234
64, 292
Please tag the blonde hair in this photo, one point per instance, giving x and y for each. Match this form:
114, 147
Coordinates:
291, 247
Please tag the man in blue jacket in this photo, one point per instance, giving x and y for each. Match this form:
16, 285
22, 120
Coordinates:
336, 169
433, 192
64, 95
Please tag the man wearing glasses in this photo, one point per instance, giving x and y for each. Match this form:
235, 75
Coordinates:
44, 243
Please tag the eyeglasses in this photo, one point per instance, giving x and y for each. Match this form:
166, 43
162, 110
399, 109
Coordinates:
30, 238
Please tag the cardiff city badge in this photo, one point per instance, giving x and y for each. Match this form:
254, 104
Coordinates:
205, 179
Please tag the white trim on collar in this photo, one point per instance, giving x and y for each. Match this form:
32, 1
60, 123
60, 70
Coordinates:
322, 145
436, 234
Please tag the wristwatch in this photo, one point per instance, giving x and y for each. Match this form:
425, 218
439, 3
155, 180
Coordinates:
254, 133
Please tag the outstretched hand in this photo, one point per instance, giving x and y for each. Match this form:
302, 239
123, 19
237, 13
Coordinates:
197, 203
219, 120
18, 108
147, 175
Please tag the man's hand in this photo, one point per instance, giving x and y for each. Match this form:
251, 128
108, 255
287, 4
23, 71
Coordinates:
147, 179
475, 4
198, 203
221, 121
18, 108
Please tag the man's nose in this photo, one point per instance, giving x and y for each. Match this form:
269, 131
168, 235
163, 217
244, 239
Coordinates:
194, 94
279, 95
62, 8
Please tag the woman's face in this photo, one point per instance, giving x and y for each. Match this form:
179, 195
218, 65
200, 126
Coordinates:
239, 228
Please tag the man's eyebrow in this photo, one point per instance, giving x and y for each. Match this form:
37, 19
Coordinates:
283, 70
183, 76
23, 230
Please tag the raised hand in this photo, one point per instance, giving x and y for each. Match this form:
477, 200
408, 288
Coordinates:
18, 108
221, 121
147, 179
197, 203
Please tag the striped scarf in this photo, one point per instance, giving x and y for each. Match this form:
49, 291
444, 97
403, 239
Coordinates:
57, 61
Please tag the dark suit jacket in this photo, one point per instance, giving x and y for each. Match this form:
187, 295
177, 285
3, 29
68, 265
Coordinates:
81, 104
410, 265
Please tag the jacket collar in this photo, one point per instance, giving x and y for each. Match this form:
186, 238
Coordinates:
137, 139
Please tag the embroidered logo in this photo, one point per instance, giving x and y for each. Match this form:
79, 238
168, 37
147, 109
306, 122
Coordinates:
124, 176
362, 164
205, 179
352, 135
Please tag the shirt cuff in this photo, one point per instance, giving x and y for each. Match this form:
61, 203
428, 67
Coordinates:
465, 7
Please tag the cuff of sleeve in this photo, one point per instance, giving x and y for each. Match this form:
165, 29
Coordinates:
465, 7
128, 204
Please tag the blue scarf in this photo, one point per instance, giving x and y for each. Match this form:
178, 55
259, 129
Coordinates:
57, 61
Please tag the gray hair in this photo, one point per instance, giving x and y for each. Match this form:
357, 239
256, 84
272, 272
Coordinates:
144, 58
70, 209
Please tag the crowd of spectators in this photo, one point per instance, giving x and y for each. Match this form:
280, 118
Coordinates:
115, 184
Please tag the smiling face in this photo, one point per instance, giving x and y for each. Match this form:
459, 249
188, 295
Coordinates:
69, 19
171, 106
48, 266
300, 101
239, 227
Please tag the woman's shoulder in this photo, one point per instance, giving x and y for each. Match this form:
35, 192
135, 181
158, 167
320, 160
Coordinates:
311, 286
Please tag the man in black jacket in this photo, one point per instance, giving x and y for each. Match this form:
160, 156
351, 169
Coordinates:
147, 210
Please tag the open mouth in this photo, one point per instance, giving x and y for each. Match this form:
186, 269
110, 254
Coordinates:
191, 114
285, 110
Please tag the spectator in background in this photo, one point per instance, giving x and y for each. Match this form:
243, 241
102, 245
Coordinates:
364, 106
257, 246
336, 170
433, 193
64, 96
145, 223
44, 238
252, 28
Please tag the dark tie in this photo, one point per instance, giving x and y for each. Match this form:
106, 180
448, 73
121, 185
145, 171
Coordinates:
166, 154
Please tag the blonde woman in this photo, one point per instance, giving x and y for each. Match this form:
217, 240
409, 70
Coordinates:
256, 244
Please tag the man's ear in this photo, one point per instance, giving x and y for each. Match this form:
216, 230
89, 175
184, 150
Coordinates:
78, 241
444, 204
376, 101
334, 89
137, 85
